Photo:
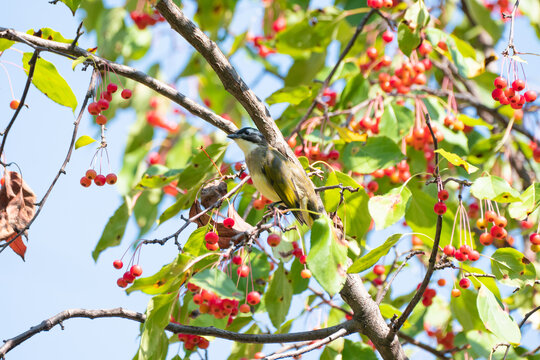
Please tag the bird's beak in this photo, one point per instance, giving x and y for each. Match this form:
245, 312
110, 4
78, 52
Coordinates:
232, 136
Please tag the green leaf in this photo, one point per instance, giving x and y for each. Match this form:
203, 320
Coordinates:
527, 203
216, 281
356, 90
303, 71
408, 40
417, 16
494, 188
153, 338
457, 161
168, 278
298, 283
482, 16
495, 318
377, 153
50, 82
357, 350
388, 311
195, 243
477, 282
438, 314
396, 122
242, 350
465, 311
278, 296
293, 95
387, 209
512, 267
5, 44
157, 176
114, 230
328, 257
50, 34
146, 209
355, 204
73, 5
482, 343
371, 258
83, 141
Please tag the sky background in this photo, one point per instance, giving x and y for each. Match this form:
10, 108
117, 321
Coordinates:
59, 272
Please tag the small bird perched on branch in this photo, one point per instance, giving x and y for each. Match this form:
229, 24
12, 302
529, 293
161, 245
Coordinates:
278, 178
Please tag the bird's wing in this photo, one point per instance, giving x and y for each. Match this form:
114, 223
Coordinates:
280, 177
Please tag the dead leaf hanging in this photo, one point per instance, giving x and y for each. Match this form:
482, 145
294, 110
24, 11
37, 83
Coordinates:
17, 208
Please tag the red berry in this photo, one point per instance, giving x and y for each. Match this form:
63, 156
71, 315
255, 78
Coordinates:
530, 95
118, 264
103, 104
111, 179
125, 94
486, 239
439, 208
273, 240
259, 355
14, 104
496, 94
243, 271
501, 221
377, 281
112, 87
237, 260
211, 237
333, 155
228, 223
464, 283
388, 3
376, 4
128, 277
518, 85
449, 250
456, 292
388, 36
101, 119
534, 238
500, 82
427, 301
93, 108
379, 270
85, 182
211, 246
465, 249
253, 298
100, 180
425, 48
474, 255
372, 53
490, 216
258, 204
136, 270
441, 282
373, 186
460, 256
430, 293
443, 195
305, 274
91, 174
302, 259
121, 283
497, 232
244, 308
280, 24
106, 96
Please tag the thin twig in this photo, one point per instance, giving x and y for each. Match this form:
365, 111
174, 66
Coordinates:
383, 292
423, 346
62, 170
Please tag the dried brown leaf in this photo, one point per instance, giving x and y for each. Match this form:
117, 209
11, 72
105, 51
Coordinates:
17, 208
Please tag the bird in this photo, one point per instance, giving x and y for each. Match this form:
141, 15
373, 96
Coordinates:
278, 178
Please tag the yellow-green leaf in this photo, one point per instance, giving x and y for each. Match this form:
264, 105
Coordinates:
83, 141
457, 161
78, 61
50, 82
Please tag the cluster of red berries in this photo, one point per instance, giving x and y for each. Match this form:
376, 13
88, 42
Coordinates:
379, 271
510, 95
191, 342
156, 119
503, 6
534, 238
211, 240
313, 153
99, 180
298, 253
95, 108
497, 230
143, 19
455, 124
129, 276
420, 138
329, 98
278, 25
440, 206
397, 174
464, 253
428, 295
447, 341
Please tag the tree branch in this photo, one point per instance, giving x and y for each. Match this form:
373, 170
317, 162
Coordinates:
313, 346
158, 86
48, 324
423, 346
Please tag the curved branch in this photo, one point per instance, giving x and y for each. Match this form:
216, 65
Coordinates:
48, 324
311, 347
158, 86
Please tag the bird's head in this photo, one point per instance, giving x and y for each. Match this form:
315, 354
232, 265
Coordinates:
248, 139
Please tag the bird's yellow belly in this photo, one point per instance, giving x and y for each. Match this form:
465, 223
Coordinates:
264, 187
